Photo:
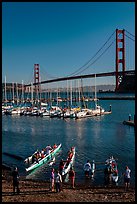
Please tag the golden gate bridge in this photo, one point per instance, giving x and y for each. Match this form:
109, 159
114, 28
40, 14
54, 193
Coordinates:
119, 62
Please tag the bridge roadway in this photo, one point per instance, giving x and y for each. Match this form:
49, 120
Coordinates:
83, 77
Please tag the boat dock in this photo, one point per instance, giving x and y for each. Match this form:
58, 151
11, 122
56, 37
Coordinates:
92, 115
116, 98
129, 122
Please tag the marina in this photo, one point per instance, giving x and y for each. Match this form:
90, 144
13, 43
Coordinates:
95, 138
68, 102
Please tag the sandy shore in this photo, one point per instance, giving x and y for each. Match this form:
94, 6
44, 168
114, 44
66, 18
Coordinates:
38, 191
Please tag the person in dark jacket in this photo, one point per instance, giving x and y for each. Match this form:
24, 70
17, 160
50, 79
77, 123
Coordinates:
15, 175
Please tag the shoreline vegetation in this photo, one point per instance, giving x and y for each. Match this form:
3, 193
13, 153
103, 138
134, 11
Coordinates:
38, 191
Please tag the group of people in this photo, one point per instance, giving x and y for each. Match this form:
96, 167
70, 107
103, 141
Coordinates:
56, 179
111, 168
41, 154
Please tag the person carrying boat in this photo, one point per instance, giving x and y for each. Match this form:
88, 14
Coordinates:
68, 161
72, 149
72, 177
127, 177
87, 168
70, 154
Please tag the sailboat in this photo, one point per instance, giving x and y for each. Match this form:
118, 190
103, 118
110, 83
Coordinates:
86, 112
98, 109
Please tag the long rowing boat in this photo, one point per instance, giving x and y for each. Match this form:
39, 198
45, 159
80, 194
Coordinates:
47, 158
68, 164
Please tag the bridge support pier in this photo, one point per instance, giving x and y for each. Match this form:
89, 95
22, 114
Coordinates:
36, 78
120, 55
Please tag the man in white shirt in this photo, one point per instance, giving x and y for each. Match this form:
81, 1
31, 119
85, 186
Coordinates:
127, 178
87, 168
58, 181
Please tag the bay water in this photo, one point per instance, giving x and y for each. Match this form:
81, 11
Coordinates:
95, 138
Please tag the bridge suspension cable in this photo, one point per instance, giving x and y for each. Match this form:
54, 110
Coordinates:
97, 58
30, 79
129, 38
46, 73
78, 70
130, 33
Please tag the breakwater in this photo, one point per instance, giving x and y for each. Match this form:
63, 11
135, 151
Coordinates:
116, 98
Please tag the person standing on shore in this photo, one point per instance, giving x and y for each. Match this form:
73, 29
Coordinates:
52, 179
72, 177
127, 178
87, 168
15, 175
58, 182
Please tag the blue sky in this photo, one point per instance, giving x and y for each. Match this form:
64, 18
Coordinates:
61, 37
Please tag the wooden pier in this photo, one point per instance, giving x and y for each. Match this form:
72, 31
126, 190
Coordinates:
129, 122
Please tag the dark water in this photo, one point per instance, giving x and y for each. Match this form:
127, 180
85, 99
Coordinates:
94, 138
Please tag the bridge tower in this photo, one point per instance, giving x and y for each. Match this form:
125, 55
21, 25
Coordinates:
36, 78
120, 55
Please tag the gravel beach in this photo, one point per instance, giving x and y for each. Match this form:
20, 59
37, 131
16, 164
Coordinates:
38, 191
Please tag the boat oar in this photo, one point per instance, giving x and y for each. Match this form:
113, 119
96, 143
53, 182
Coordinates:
13, 156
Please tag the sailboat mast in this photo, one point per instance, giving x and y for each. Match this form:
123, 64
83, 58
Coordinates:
67, 94
57, 94
22, 93
95, 93
71, 93
5, 91
31, 93
13, 91
95, 88
79, 92
17, 92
